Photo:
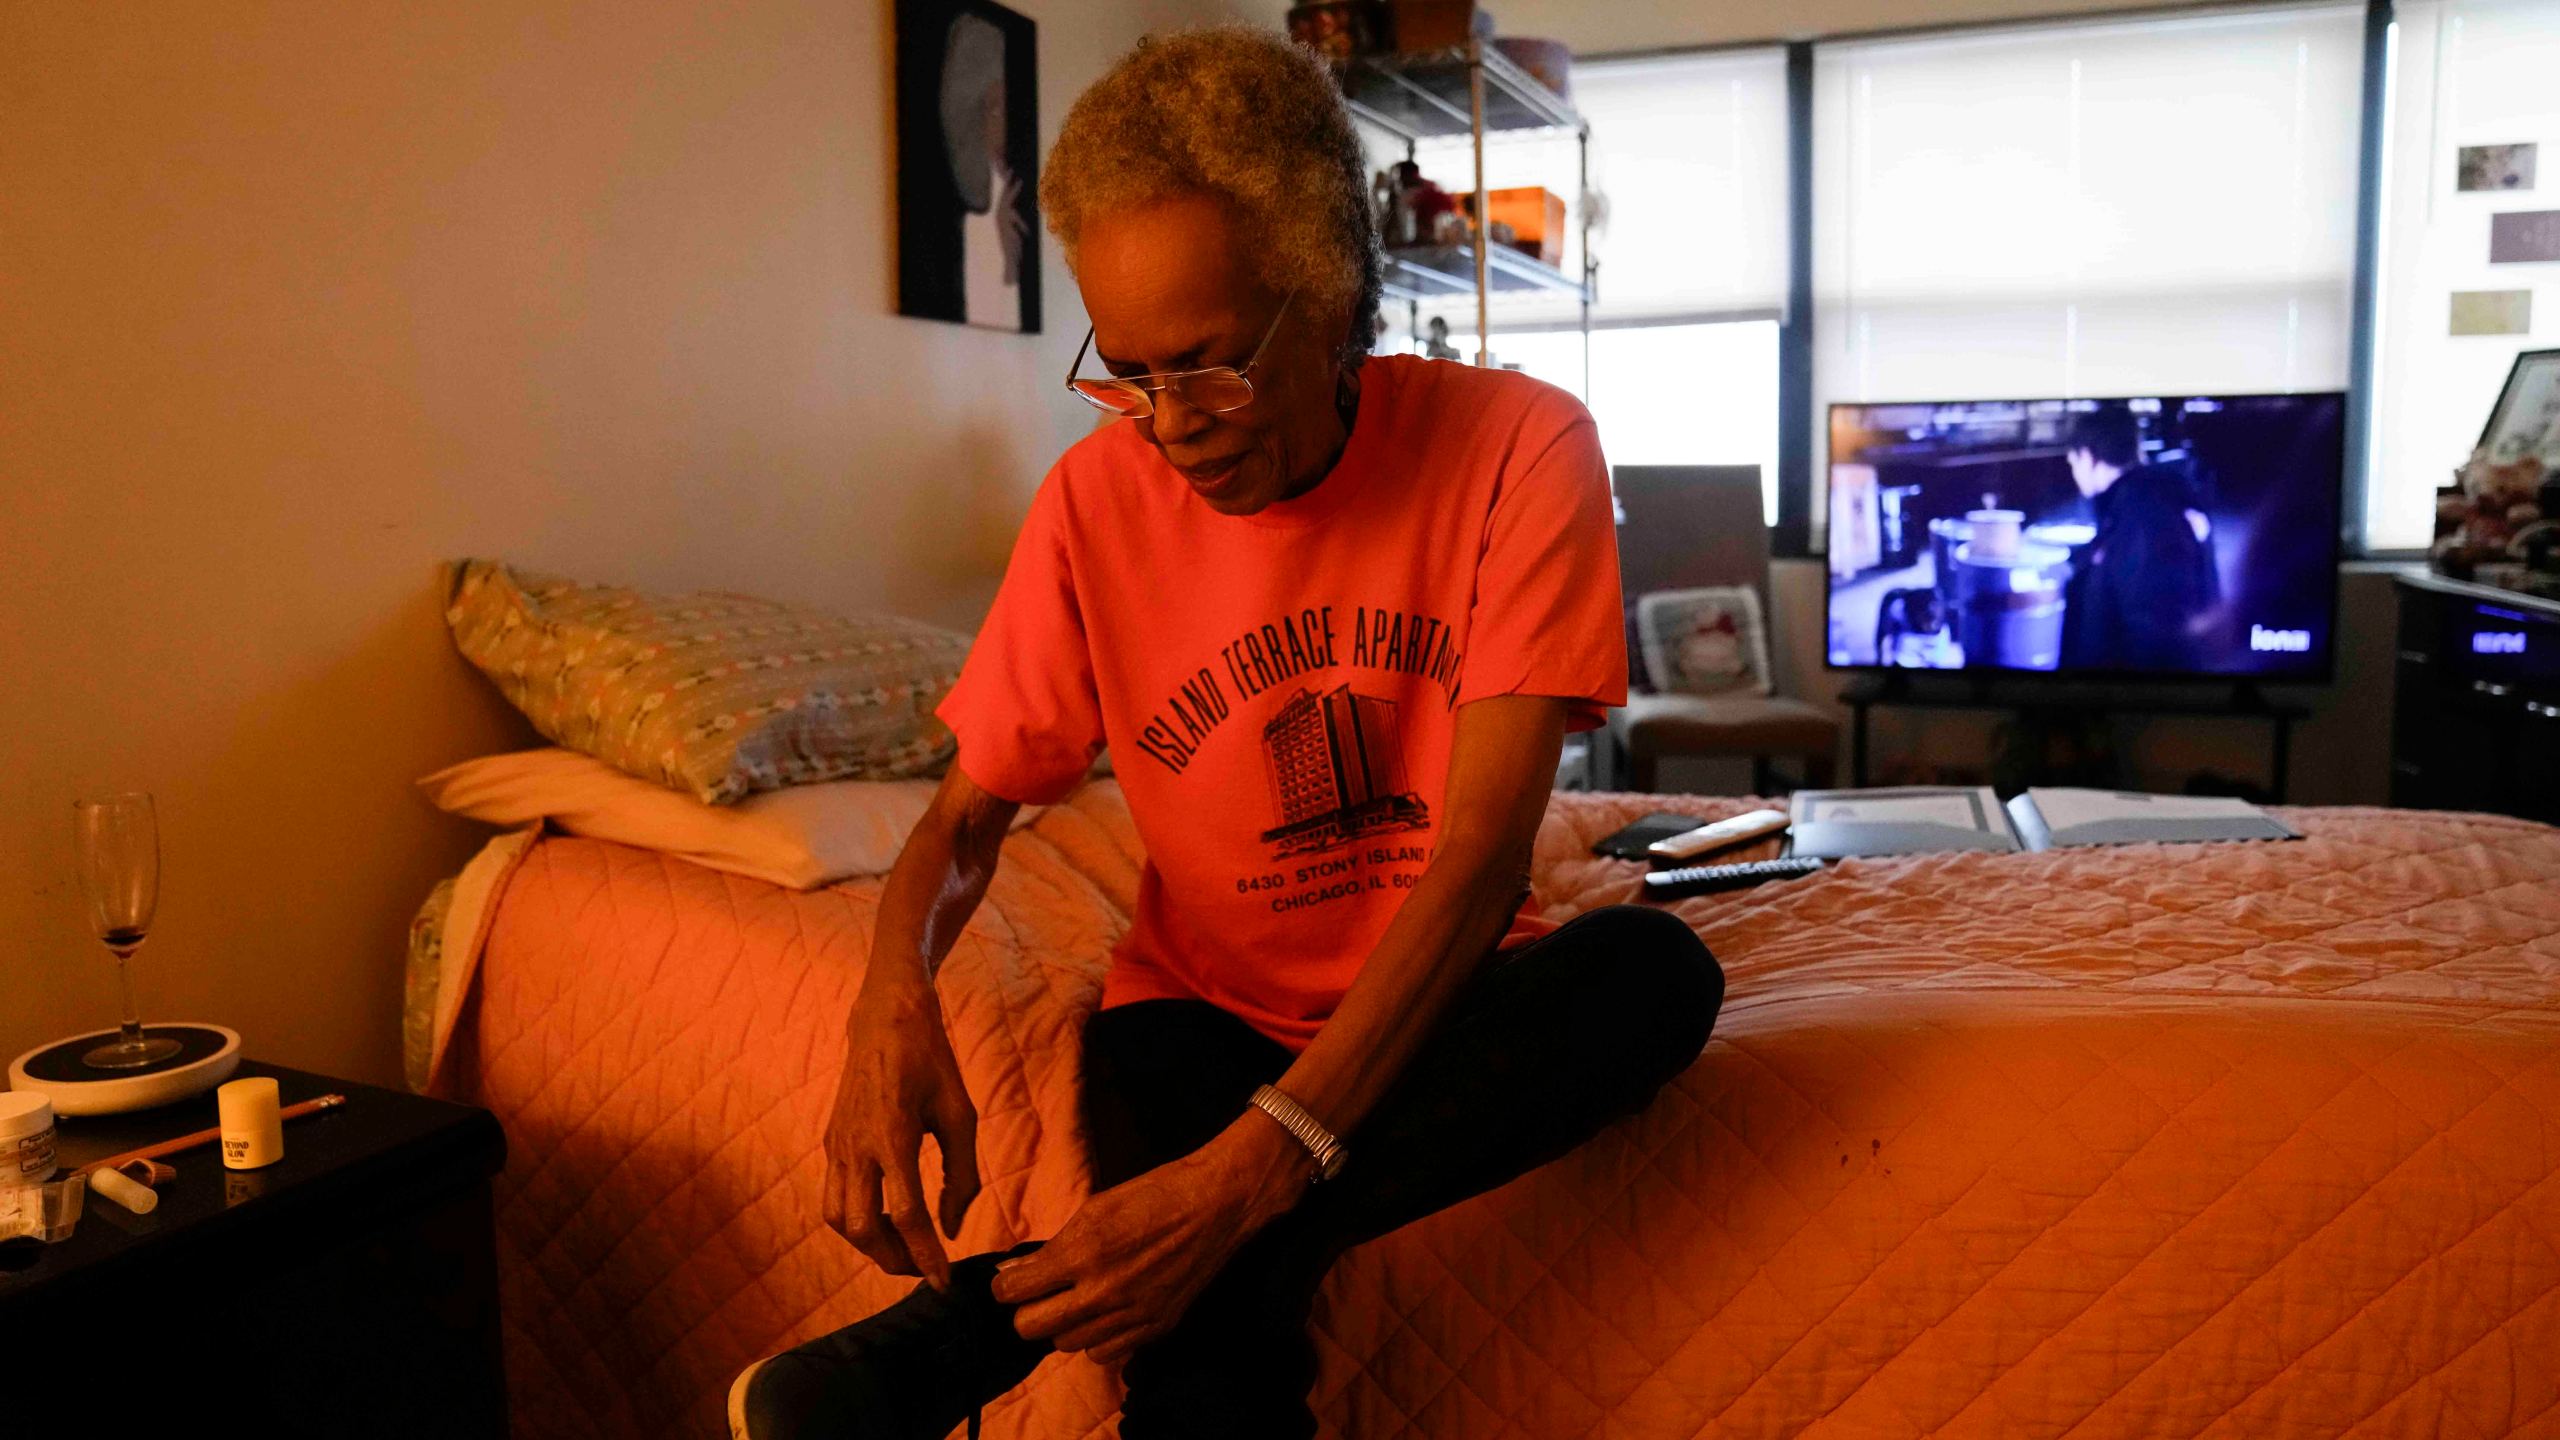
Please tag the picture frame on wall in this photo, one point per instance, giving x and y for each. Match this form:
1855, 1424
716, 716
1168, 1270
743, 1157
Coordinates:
2526, 419
2495, 167
967, 114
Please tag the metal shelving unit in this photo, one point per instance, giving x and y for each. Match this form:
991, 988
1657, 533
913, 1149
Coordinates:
1468, 92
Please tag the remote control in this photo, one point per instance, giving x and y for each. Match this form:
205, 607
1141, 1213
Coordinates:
1721, 835
1708, 879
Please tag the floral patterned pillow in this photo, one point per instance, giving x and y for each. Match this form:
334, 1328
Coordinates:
1704, 642
717, 696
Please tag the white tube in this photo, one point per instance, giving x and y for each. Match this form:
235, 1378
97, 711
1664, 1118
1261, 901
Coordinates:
124, 1190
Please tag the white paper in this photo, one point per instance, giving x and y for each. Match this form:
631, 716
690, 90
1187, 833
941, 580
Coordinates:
2069, 809
1958, 809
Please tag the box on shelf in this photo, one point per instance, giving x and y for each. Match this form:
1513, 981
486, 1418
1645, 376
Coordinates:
1437, 24
1536, 217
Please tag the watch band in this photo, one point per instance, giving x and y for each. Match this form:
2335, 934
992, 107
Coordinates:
1322, 1144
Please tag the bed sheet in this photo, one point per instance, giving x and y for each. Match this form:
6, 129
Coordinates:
2153, 1140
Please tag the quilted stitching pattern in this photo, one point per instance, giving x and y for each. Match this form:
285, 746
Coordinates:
2227, 1141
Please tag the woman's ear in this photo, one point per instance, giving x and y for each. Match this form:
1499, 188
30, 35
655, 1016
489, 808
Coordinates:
1349, 342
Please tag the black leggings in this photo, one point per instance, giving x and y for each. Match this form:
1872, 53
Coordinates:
1544, 1046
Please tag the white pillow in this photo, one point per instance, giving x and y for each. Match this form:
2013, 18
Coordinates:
1706, 641
802, 836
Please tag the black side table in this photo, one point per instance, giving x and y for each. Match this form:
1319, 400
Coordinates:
348, 1289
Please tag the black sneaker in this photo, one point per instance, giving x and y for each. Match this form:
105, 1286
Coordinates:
911, 1372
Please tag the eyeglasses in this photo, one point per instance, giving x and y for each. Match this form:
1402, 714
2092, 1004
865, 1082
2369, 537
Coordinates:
1213, 389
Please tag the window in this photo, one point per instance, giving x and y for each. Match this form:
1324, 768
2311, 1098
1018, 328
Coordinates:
2464, 73
1690, 153
1703, 393
2098, 208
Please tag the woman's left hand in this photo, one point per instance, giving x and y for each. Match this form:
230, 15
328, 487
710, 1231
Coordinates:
1131, 1260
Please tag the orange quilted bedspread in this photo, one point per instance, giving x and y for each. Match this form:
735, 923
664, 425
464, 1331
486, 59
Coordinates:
2206, 1140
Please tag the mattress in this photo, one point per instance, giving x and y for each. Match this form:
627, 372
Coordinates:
2151, 1140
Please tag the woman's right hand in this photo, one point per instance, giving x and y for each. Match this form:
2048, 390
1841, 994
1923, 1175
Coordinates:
900, 1083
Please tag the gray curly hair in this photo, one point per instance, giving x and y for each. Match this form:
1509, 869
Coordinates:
1248, 117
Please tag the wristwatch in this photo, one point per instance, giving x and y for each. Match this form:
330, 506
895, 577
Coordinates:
1321, 1143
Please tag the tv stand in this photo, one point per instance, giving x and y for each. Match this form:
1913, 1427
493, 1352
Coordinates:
1906, 690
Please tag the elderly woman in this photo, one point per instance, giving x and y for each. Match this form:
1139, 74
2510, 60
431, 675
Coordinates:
1333, 616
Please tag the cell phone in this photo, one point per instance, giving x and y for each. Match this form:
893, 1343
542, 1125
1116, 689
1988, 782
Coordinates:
1631, 843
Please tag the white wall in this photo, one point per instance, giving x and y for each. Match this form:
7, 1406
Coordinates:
298, 300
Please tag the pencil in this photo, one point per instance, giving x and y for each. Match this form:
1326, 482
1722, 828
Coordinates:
202, 1137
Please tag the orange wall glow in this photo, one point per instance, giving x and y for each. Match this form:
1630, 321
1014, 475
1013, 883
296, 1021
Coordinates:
298, 300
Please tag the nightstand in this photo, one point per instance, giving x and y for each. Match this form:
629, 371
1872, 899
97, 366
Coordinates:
348, 1289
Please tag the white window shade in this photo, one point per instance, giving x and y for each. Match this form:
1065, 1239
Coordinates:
2089, 208
1690, 153
2464, 72
1671, 394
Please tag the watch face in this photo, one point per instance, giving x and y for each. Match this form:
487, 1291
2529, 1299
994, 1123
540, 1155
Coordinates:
1332, 1165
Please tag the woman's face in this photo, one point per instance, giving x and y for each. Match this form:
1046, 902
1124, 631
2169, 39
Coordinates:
1171, 286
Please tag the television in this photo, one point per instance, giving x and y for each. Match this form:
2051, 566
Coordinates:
2172, 537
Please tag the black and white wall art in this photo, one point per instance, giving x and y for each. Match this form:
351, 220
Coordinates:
968, 156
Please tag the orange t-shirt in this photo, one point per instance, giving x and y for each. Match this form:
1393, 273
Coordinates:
1279, 690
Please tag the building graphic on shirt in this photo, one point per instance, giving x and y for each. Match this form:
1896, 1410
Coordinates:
1336, 764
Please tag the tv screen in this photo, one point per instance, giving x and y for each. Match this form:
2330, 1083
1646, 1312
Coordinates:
2187, 536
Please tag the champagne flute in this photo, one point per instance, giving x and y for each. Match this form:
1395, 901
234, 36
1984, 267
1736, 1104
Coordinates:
119, 843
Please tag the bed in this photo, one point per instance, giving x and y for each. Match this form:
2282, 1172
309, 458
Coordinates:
2193, 1140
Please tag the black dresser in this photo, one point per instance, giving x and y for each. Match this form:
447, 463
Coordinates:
2476, 719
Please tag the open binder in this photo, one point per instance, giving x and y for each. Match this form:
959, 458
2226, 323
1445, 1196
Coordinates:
1913, 820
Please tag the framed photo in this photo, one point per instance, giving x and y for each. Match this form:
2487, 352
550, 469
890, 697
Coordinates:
2524, 237
2526, 419
1707, 641
2494, 167
2491, 312
968, 116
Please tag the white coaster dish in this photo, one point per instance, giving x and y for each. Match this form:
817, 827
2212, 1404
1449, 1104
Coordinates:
208, 1055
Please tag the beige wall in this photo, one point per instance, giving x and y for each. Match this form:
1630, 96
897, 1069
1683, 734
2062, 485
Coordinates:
298, 300
1594, 27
